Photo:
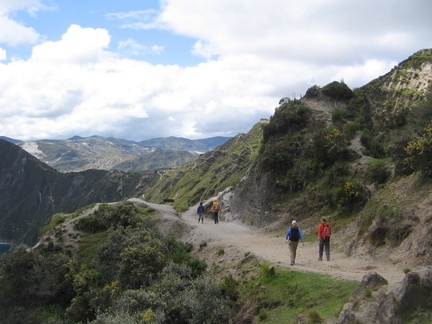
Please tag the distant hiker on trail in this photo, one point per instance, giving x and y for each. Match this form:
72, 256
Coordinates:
324, 233
294, 234
216, 209
200, 212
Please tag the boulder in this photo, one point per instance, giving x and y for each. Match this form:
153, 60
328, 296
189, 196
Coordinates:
375, 302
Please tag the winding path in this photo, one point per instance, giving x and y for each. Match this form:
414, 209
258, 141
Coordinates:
237, 239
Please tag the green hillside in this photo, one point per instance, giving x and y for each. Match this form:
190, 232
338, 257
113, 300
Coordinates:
211, 173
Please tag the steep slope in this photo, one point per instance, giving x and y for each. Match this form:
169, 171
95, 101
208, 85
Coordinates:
210, 173
31, 191
396, 91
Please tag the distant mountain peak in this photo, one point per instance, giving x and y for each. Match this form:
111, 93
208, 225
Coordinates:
76, 137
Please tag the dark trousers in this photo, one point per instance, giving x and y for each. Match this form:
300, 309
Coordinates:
324, 244
216, 217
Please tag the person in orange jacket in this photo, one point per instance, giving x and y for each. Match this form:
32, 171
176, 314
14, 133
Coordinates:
216, 208
324, 233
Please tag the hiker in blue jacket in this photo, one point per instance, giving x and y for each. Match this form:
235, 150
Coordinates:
294, 235
200, 212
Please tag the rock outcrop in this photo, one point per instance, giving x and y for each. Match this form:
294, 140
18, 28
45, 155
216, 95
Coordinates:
375, 302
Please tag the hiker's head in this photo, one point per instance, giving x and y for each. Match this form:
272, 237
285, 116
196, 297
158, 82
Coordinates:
294, 223
215, 201
324, 219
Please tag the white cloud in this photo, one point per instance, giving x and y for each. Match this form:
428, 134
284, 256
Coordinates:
314, 30
138, 19
133, 48
257, 52
13, 33
3, 55
29, 5
78, 45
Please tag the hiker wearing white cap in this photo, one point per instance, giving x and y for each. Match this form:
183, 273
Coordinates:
294, 235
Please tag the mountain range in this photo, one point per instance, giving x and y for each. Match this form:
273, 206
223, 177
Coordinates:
108, 153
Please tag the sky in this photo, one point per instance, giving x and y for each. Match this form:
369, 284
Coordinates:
187, 68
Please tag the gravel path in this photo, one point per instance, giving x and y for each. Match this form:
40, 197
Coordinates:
237, 239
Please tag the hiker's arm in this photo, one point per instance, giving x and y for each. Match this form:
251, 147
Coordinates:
301, 237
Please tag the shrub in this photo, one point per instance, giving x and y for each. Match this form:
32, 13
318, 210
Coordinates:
338, 115
330, 146
314, 317
121, 317
268, 271
351, 129
229, 288
337, 90
348, 196
30, 280
379, 173
420, 152
141, 263
119, 215
289, 118
177, 298
313, 92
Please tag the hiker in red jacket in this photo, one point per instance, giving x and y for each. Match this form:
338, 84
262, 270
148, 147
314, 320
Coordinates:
324, 233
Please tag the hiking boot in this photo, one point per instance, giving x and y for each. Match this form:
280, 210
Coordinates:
292, 262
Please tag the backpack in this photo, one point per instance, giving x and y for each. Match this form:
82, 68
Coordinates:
326, 232
294, 234
215, 207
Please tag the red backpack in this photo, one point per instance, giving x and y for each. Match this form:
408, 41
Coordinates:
326, 231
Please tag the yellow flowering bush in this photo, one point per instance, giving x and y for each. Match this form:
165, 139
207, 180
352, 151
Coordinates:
419, 152
331, 145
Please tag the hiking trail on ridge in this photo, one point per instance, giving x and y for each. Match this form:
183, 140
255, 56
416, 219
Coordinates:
237, 239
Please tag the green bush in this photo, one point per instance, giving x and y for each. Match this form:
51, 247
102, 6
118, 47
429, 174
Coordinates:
268, 272
351, 129
289, 118
419, 152
132, 275
379, 173
337, 90
119, 215
338, 115
313, 92
176, 297
330, 145
314, 317
31, 280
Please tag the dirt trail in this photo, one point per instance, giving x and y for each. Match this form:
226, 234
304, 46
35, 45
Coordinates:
237, 239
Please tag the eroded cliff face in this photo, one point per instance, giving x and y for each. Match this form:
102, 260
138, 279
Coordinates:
400, 224
402, 87
254, 200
